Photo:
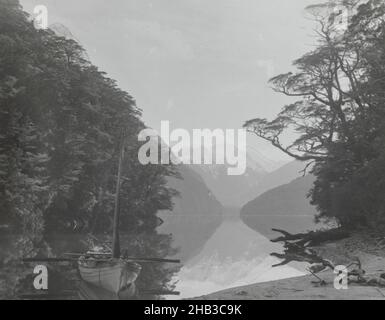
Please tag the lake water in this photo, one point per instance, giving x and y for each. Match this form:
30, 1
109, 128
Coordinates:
235, 255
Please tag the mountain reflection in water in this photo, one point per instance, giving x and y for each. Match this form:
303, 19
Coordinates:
234, 256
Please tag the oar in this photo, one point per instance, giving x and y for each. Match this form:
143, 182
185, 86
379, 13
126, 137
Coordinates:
151, 260
45, 259
125, 258
142, 260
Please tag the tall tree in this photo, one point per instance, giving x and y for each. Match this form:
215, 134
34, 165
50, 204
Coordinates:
337, 121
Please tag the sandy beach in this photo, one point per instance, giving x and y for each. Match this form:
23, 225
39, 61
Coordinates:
369, 248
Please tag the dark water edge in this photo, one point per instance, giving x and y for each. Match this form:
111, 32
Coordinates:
16, 277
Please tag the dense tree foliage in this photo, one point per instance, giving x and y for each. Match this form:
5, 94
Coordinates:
339, 119
61, 125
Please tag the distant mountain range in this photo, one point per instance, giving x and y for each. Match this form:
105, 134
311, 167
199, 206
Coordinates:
235, 191
269, 164
231, 191
280, 176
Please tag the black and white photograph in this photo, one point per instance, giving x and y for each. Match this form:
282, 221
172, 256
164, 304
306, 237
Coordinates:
176, 152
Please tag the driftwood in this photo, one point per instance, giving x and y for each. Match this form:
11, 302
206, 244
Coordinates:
300, 253
297, 248
312, 238
301, 257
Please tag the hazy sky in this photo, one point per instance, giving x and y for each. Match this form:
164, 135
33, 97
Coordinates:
197, 63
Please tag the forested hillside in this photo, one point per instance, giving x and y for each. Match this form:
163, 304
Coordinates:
62, 122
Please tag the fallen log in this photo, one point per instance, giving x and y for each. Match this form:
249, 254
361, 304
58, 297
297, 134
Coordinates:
312, 238
297, 251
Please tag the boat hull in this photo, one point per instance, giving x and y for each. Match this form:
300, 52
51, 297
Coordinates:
112, 276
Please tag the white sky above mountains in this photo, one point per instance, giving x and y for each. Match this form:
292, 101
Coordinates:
196, 63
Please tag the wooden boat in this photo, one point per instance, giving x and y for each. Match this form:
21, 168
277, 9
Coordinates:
113, 276
110, 273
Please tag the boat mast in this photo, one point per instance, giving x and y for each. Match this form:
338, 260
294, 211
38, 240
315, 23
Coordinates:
115, 235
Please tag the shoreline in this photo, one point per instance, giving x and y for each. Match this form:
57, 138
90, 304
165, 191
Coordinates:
369, 247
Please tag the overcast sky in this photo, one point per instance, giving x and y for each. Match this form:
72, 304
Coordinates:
197, 63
